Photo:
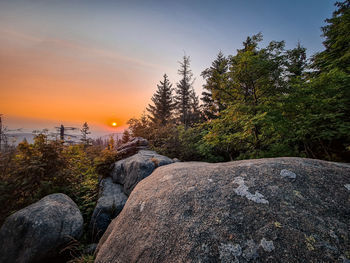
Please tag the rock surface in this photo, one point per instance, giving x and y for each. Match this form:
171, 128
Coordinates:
242, 211
132, 147
109, 204
37, 232
130, 171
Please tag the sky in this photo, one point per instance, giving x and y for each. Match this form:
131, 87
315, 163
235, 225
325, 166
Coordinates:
67, 62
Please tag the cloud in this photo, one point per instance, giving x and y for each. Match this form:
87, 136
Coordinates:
72, 47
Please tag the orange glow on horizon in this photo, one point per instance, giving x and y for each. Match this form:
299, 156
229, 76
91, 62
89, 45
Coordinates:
56, 82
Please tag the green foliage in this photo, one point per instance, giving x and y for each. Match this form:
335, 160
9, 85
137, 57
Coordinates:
321, 115
215, 93
140, 127
164, 139
187, 103
267, 102
104, 161
337, 41
32, 171
162, 110
85, 131
126, 136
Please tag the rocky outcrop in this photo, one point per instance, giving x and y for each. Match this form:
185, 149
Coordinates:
125, 175
132, 147
267, 210
110, 203
130, 171
38, 232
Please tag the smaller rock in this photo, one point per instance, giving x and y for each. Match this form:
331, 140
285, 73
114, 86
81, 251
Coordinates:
132, 147
37, 233
267, 245
176, 160
109, 204
347, 186
130, 171
288, 174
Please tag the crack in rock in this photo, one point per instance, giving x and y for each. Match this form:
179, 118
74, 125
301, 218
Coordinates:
242, 190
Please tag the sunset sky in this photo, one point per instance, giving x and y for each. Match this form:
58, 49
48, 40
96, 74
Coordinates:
67, 62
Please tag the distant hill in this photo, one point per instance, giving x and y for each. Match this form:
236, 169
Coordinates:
16, 138
116, 136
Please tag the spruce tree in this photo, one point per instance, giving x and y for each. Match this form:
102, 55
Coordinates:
296, 62
111, 143
215, 87
337, 39
85, 131
163, 107
195, 113
126, 136
183, 92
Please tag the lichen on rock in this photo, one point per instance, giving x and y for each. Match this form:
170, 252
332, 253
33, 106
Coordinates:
267, 245
288, 174
242, 190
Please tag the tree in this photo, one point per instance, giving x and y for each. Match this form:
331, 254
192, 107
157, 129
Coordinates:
250, 90
325, 125
265, 102
195, 113
183, 92
126, 136
256, 85
140, 127
337, 41
85, 131
111, 142
215, 87
296, 62
163, 107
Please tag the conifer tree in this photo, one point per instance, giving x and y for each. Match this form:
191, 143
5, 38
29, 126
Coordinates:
163, 107
111, 143
126, 136
337, 39
183, 92
215, 87
296, 61
85, 131
195, 113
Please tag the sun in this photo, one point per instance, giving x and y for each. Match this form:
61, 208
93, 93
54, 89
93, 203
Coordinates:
114, 124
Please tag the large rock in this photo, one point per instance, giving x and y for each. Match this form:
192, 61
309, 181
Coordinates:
132, 147
110, 203
128, 172
267, 210
38, 232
